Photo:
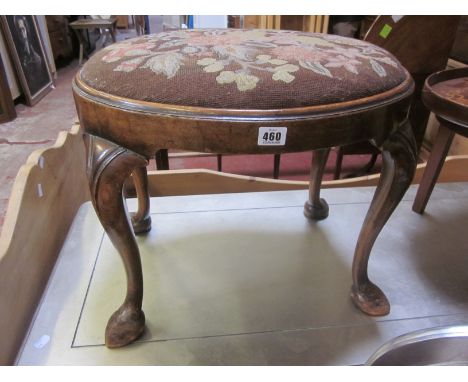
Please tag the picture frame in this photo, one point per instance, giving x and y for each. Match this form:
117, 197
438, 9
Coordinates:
7, 106
28, 53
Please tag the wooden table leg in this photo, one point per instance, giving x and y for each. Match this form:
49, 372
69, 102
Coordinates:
141, 220
339, 162
219, 161
108, 167
80, 38
399, 163
276, 166
434, 165
112, 33
162, 159
316, 208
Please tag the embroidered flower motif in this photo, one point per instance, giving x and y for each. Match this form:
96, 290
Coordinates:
167, 64
247, 54
298, 53
118, 51
244, 81
342, 61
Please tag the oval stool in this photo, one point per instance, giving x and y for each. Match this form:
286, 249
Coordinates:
239, 91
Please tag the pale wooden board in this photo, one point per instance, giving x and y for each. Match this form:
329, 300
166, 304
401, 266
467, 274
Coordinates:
193, 182
35, 228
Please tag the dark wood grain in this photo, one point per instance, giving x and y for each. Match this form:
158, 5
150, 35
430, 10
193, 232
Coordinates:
126, 132
108, 167
399, 163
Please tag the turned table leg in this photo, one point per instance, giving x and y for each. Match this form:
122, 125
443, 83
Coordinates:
316, 208
108, 166
399, 164
141, 220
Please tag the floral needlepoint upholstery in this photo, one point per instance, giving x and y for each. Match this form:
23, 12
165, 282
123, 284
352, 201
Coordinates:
243, 69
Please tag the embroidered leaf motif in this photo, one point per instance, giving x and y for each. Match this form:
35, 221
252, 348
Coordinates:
243, 81
351, 68
284, 76
246, 81
226, 77
263, 58
277, 61
260, 44
387, 60
316, 67
287, 68
215, 67
378, 68
310, 40
234, 51
170, 44
206, 61
137, 52
130, 65
167, 64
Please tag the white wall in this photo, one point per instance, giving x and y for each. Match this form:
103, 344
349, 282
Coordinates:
218, 21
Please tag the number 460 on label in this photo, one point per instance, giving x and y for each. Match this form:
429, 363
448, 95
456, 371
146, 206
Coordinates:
272, 136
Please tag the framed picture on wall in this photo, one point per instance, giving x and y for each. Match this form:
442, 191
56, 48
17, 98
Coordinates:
28, 54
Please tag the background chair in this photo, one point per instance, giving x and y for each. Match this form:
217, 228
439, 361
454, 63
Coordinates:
422, 44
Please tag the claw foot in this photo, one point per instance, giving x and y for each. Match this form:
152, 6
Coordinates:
125, 326
370, 299
316, 211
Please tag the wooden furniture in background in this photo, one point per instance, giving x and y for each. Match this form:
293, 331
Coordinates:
459, 144
446, 94
82, 24
122, 21
406, 37
59, 34
460, 46
308, 23
7, 107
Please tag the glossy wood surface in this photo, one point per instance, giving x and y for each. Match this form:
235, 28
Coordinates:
446, 94
24, 246
123, 133
448, 104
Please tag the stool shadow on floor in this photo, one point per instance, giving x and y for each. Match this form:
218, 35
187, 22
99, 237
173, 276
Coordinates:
211, 280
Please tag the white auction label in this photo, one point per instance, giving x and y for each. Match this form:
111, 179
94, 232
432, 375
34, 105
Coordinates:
272, 136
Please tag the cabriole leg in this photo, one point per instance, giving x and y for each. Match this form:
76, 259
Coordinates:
141, 220
316, 208
108, 166
399, 164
